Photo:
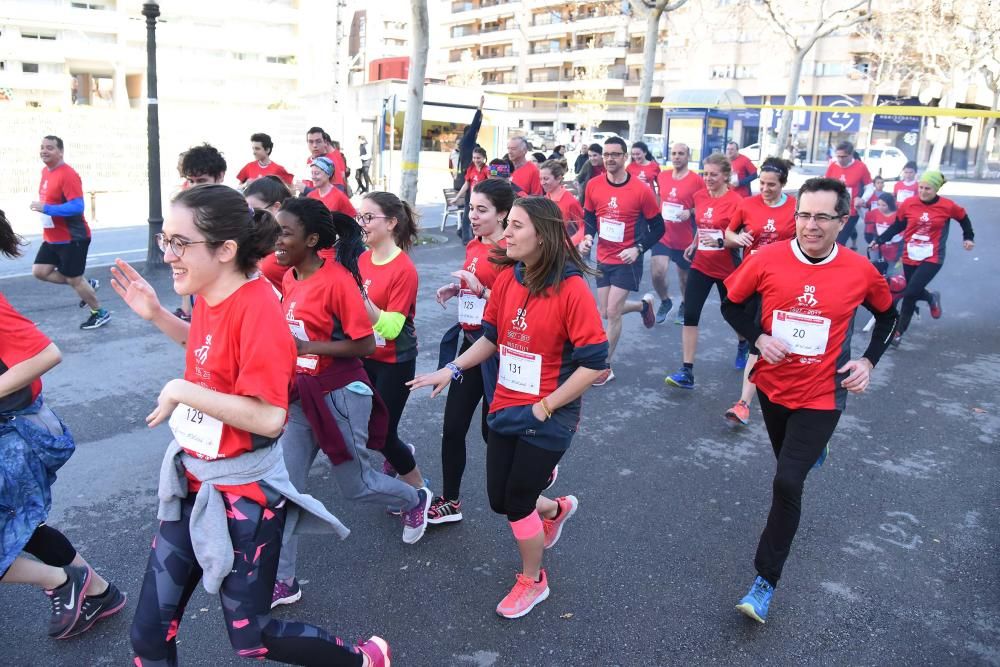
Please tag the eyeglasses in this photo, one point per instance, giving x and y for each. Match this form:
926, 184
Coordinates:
366, 218
176, 244
614, 156
818, 217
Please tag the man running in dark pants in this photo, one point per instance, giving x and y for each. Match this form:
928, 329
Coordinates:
62, 258
809, 289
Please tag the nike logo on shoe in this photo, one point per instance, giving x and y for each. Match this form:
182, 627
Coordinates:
72, 598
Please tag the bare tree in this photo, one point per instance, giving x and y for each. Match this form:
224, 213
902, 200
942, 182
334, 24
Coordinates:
783, 17
991, 73
593, 105
413, 124
987, 36
652, 11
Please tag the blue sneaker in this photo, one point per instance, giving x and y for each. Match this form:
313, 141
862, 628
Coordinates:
822, 457
742, 352
665, 307
684, 378
755, 603
679, 319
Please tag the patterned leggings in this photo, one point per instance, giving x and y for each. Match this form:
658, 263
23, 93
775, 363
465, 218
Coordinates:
172, 574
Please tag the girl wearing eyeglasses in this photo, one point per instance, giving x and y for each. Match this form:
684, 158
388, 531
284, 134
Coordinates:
267, 193
224, 490
390, 291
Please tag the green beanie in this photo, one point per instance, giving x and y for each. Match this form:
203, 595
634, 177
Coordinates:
935, 179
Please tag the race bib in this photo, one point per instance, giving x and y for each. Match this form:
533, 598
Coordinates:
520, 371
298, 329
903, 195
470, 308
709, 239
612, 230
47, 222
195, 431
919, 248
308, 361
672, 212
881, 229
806, 335
379, 341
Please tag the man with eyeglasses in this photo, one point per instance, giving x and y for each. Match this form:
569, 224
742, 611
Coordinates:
855, 176
526, 178
623, 212
809, 288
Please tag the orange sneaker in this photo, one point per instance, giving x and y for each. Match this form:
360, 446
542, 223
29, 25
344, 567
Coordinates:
524, 596
739, 413
553, 527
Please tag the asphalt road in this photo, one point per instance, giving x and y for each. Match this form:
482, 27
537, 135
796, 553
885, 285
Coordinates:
897, 560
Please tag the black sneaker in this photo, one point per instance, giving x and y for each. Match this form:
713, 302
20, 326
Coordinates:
95, 608
67, 600
444, 511
97, 319
95, 284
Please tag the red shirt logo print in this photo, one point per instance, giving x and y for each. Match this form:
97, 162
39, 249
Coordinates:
519, 321
770, 227
808, 298
201, 354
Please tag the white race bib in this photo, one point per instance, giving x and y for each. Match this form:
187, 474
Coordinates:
672, 212
47, 222
196, 431
612, 230
802, 334
919, 247
709, 239
520, 371
470, 308
308, 361
379, 341
298, 329
903, 195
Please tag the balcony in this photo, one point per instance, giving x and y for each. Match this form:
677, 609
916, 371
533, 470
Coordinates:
477, 12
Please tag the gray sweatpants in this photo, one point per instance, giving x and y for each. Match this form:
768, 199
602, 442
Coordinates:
357, 479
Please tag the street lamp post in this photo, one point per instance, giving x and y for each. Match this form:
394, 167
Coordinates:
154, 258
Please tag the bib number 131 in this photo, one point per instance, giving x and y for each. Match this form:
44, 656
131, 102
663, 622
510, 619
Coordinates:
520, 371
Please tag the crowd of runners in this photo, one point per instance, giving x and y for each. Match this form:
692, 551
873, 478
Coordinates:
297, 329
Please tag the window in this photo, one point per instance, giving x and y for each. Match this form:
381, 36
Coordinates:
863, 67
38, 35
281, 60
722, 71
88, 5
745, 72
546, 18
462, 30
29, 68
831, 69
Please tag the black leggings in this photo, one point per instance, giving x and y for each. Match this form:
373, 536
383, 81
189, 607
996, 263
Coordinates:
49, 546
850, 230
463, 397
917, 279
696, 293
390, 383
797, 438
516, 474
172, 574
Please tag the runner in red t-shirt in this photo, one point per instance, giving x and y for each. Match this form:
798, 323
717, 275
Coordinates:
711, 262
548, 333
923, 221
855, 176
489, 205
906, 186
677, 188
643, 167
624, 214
760, 221
552, 174
226, 415
525, 178
268, 193
809, 289
321, 145
880, 218
476, 173
744, 172
261, 145
334, 199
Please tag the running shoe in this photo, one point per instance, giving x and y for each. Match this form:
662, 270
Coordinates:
285, 593
415, 519
552, 478
665, 307
444, 511
936, 305
822, 457
648, 314
95, 285
606, 376
742, 352
67, 600
897, 338
755, 603
679, 318
377, 651
684, 378
524, 596
739, 413
553, 527
97, 607
387, 468
181, 315
97, 319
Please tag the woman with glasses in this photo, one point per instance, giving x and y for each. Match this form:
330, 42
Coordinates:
325, 191
390, 292
267, 193
224, 490
760, 220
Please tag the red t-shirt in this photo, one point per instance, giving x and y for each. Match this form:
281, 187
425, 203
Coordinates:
855, 177
676, 195
618, 209
903, 191
474, 176
241, 346
477, 262
528, 179
827, 293
713, 216
335, 200
743, 167
549, 326
325, 306
572, 214
273, 271
877, 223
767, 224
253, 171
20, 340
58, 186
926, 232
393, 287
339, 168
647, 173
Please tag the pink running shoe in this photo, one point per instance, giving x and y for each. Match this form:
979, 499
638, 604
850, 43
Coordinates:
377, 651
553, 527
524, 596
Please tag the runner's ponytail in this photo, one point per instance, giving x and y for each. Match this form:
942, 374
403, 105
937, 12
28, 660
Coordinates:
10, 242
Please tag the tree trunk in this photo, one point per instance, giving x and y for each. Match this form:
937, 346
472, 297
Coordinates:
785, 126
983, 152
638, 126
413, 124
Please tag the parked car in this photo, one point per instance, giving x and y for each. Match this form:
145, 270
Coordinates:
601, 137
752, 151
656, 146
887, 161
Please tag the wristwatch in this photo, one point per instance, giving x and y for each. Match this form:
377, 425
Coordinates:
638, 246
